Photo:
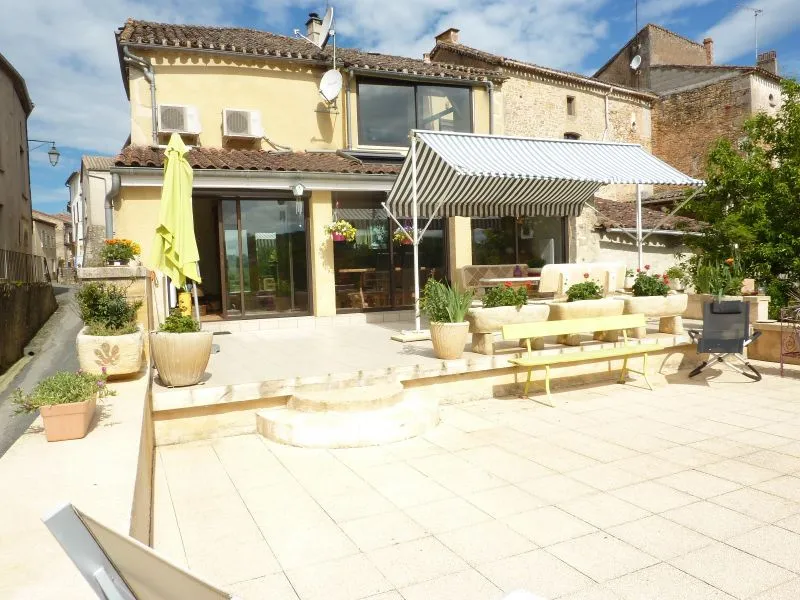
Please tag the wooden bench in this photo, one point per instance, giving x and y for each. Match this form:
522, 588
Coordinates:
531, 331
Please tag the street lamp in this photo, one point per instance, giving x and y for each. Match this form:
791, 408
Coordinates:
53, 154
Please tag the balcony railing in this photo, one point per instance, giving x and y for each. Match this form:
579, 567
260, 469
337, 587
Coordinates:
16, 266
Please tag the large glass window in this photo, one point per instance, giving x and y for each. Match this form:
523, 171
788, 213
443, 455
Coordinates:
509, 240
387, 111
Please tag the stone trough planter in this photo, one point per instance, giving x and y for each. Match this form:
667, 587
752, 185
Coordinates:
484, 323
585, 309
669, 308
118, 354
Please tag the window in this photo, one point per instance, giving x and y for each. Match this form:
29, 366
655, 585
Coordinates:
508, 240
571, 135
388, 110
571, 106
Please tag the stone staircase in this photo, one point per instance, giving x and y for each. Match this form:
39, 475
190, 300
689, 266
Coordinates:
349, 417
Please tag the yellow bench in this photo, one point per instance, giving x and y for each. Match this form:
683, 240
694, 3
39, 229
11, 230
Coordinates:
529, 331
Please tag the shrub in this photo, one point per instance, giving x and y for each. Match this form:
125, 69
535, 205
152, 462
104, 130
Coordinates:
444, 304
179, 323
117, 249
61, 388
585, 290
505, 295
675, 273
648, 284
719, 279
105, 307
536, 262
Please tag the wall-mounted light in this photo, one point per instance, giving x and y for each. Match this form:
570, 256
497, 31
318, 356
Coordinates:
297, 191
53, 154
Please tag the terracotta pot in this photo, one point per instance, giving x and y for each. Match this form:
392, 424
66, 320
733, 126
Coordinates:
67, 421
337, 237
449, 339
181, 358
119, 354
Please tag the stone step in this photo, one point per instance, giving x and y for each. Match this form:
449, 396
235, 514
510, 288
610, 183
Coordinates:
350, 429
348, 399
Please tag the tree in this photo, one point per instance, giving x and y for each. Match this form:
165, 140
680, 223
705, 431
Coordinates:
752, 201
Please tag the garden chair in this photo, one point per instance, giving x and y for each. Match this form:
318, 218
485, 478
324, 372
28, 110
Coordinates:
726, 333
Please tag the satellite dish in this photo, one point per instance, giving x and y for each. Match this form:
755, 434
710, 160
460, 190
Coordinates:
331, 85
325, 32
636, 62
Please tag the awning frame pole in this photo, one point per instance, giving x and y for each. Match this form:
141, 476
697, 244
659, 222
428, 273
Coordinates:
672, 212
639, 239
414, 215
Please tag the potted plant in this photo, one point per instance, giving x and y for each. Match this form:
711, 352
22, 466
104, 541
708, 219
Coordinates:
399, 237
119, 252
713, 281
630, 279
502, 305
66, 402
677, 278
110, 339
180, 350
341, 231
652, 298
446, 308
535, 266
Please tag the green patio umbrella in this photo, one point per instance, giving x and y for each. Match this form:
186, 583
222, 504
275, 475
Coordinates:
175, 247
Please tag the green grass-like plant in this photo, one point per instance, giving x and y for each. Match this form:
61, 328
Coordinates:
105, 307
63, 387
585, 290
444, 304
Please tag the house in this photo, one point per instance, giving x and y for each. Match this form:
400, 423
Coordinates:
698, 101
89, 189
16, 223
45, 240
275, 162
544, 102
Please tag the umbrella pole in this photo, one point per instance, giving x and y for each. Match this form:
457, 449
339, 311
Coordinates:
196, 302
639, 240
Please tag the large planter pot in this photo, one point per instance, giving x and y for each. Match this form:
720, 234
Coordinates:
669, 308
449, 339
694, 310
181, 358
67, 421
485, 322
585, 309
117, 354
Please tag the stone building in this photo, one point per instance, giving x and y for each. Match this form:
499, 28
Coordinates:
87, 197
16, 224
45, 240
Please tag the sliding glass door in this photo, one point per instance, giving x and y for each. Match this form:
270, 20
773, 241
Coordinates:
265, 257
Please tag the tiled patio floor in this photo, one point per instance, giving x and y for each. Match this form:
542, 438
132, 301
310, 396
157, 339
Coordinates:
688, 492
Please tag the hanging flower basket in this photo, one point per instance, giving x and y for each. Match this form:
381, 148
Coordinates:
399, 236
341, 231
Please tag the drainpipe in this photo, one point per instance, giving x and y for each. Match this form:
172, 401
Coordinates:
347, 108
490, 87
109, 205
147, 70
608, 93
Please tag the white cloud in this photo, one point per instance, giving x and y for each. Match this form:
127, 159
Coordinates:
662, 10
734, 35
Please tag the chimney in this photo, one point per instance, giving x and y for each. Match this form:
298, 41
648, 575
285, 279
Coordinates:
426, 58
313, 27
708, 44
449, 36
768, 61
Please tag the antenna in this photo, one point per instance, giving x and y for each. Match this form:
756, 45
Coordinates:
331, 85
636, 16
756, 12
636, 62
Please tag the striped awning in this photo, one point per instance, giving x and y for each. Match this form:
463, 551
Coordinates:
474, 175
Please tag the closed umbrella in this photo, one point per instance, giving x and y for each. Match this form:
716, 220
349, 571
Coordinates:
175, 248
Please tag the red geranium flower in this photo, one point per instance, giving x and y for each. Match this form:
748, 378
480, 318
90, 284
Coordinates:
647, 267
729, 261
638, 270
507, 284
586, 276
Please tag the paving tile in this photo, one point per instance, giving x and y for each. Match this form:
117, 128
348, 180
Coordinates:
759, 439
456, 474
556, 488
773, 544
648, 466
595, 592
349, 578
660, 537
601, 556
486, 542
548, 525
735, 572
503, 464
446, 515
404, 486
606, 477
739, 471
310, 543
785, 591
712, 520
417, 561
504, 501
232, 562
773, 459
757, 504
662, 582
560, 460
383, 530
538, 571
698, 484
786, 487
274, 587
724, 447
464, 585
364, 503
653, 496
603, 510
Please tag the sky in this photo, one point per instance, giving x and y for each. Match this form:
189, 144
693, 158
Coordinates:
66, 52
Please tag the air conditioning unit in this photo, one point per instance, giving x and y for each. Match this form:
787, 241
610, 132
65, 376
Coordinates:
241, 123
178, 118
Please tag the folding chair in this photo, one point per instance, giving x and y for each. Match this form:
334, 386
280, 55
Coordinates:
726, 333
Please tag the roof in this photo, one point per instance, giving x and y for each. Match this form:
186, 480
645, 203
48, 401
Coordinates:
19, 84
66, 217
510, 63
481, 175
257, 160
96, 163
615, 214
256, 43
44, 217
744, 69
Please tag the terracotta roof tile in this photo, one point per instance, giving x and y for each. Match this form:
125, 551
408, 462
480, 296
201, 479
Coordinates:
262, 43
257, 160
97, 163
615, 214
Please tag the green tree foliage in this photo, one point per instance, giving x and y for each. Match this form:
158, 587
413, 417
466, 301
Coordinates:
752, 202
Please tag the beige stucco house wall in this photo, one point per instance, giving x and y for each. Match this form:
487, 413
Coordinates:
16, 226
95, 183
45, 239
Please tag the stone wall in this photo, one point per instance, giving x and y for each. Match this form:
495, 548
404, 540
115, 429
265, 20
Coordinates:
24, 308
92, 245
686, 124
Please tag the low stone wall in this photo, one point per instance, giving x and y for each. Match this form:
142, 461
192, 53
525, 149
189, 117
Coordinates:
759, 306
24, 308
768, 346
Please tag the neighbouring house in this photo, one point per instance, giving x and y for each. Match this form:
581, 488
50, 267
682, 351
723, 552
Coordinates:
88, 192
45, 240
16, 223
65, 240
698, 101
275, 162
